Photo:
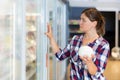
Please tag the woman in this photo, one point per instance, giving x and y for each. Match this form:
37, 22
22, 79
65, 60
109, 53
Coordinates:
92, 25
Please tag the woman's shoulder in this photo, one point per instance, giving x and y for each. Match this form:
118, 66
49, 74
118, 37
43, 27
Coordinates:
103, 41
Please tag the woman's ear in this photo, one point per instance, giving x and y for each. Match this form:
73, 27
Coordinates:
94, 23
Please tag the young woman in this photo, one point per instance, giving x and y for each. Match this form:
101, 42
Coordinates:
92, 24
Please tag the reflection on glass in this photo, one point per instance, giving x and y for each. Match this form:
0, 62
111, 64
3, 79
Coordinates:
31, 6
5, 6
31, 47
5, 47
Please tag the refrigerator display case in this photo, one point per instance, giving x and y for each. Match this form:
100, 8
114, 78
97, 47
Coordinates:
31, 18
61, 37
31, 46
36, 41
6, 41
56, 11
6, 46
24, 46
22, 37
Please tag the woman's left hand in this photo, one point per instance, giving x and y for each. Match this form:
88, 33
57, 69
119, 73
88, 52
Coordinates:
92, 68
87, 59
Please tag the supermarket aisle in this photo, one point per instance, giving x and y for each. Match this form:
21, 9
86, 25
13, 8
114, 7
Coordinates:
112, 71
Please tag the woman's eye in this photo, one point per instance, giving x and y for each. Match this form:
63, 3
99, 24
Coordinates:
84, 20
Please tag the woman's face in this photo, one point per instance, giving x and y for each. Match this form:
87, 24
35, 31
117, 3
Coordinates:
85, 24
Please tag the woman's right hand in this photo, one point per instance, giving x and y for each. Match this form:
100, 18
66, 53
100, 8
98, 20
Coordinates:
53, 43
49, 32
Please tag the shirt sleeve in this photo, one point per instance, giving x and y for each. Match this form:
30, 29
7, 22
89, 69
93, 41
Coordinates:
101, 61
64, 53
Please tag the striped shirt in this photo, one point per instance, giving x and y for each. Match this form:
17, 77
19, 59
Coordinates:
78, 69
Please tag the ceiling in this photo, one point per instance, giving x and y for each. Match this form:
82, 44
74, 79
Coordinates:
101, 4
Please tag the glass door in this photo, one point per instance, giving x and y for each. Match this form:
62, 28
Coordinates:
36, 41
56, 16
23, 43
6, 39
30, 40
31, 17
61, 37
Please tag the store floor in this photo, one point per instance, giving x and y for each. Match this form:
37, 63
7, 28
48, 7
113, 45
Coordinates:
112, 71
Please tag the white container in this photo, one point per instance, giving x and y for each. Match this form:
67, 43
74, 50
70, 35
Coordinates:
85, 51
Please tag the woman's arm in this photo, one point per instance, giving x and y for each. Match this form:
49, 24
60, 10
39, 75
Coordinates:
53, 43
61, 54
92, 69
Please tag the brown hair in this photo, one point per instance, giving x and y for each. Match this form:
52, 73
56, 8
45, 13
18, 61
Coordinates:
94, 15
